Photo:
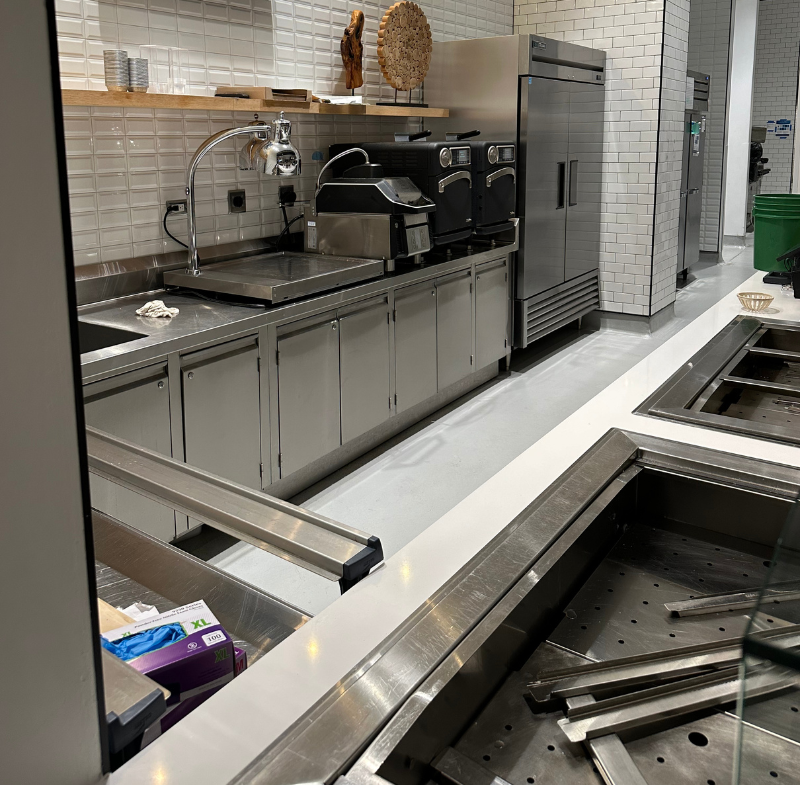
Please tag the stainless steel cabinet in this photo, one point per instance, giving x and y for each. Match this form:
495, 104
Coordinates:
584, 180
308, 392
415, 345
222, 412
542, 177
364, 367
454, 327
133, 406
491, 312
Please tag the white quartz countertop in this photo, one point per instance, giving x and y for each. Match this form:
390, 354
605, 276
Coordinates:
219, 739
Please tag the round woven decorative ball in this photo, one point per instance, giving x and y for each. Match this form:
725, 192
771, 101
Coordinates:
404, 45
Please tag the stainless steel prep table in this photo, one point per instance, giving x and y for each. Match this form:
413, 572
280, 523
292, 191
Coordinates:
276, 397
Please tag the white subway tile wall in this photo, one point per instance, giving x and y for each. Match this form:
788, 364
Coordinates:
670, 153
124, 165
775, 86
709, 49
633, 36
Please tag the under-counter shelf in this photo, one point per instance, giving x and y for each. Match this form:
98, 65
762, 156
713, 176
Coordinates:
166, 101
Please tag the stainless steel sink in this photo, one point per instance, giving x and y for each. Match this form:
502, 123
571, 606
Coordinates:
746, 380
92, 337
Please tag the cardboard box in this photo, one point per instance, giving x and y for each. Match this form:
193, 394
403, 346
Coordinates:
202, 660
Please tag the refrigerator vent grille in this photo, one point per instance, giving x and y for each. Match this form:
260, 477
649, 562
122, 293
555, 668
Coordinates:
546, 312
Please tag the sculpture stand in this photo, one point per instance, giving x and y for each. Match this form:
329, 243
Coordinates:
401, 103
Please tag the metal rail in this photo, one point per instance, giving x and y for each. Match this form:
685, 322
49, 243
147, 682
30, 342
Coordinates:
328, 548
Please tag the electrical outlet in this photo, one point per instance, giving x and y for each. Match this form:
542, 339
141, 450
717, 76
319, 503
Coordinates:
176, 205
286, 195
237, 201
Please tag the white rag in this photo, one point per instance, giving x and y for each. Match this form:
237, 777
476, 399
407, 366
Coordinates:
157, 308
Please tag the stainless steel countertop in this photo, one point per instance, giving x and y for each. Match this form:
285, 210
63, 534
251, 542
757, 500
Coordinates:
205, 321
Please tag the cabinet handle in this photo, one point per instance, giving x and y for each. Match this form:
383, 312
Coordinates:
573, 183
562, 187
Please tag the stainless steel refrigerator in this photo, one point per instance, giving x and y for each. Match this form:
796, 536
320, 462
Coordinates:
548, 96
694, 153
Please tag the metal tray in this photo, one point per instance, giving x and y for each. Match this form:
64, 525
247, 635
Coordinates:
277, 277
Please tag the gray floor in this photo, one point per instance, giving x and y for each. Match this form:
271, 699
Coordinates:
400, 489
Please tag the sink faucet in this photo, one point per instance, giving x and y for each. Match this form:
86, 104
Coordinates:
257, 127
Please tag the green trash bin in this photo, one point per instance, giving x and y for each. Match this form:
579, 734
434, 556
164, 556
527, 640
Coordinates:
777, 229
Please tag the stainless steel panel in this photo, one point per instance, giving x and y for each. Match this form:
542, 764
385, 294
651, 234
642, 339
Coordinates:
134, 407
364, 369
694, 198
542, 196
277, 277
537, 49
308, 394
221, 413
477, 96
415, 345
491, 313
684, 193
585, 179
349, 234
317, 543
247, 612
453, 328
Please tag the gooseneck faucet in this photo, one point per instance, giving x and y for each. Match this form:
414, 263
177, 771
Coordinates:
209, 144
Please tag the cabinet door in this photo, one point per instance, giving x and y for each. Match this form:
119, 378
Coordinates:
308, 393
584, 179
454, 327
415, 344
364, 359
491, 312
134, 407
541, 183
222, 413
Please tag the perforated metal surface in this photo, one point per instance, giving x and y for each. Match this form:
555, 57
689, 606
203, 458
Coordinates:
648, 567
620, 610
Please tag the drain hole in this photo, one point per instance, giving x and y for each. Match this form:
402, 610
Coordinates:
722, 629
583, 626
487, 757
620, 641
773, 774
771, 621
530, 779
660, 759
794, 708
622, 573
656, 585
672, 635
550, 747
702, 580
633, 621
766, 563
509, 727
744, 574
645, 602
698, 739
711, 782
611, 590
597, 607
709, 564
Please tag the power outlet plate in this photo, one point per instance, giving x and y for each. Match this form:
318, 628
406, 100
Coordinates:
176, 206
237, 201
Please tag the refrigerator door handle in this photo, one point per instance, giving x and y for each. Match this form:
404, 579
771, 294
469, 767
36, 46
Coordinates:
573, 183
562, 185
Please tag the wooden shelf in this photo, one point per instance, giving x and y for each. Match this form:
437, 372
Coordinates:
162, 101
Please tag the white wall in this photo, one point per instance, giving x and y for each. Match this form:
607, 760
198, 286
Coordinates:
775, 85
634, 34
709, 49
125, 164
740, 102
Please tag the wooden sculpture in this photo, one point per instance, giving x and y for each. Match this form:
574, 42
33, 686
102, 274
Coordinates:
353, 49
404, 45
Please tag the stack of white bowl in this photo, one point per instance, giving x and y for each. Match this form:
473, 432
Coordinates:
116, 70
137, 75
